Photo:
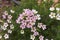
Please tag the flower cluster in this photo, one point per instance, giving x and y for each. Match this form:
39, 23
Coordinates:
40, 37
41, 25
6, 26
53, 14
36, 33
28, 19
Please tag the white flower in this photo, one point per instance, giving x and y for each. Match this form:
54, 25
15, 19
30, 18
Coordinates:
6, 36
11, 26
22, 31
5, 24
12, 11
40, 25
38, 17
57, 9
34, 11
5, 13
44, 0
33, 23
3, 27
52, 9
32, 37
24, 9
58, 16
9, 17
51, 39
9, 21
52, 15
0, 36
9, 31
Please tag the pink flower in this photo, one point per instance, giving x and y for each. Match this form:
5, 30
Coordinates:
41, 37
44, 27
23, 21
4, 16
22, 26
18, 21
29, 26
32, 19
36, 33
21, 16
28, 12
27, 18
35, 17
